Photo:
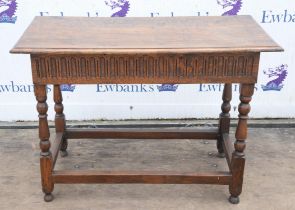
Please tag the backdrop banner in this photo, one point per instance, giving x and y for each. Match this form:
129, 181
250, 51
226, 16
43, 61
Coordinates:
274, 95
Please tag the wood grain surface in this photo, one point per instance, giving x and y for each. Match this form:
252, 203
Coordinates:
144, 35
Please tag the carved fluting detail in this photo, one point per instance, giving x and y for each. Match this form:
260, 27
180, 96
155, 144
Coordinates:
144, 66
42, 108
244, 108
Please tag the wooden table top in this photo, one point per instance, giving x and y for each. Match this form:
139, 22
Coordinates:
84, 35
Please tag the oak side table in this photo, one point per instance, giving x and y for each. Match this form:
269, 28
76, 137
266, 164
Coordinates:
176, 50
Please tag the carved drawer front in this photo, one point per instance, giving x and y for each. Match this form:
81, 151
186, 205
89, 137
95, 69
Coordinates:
157, 68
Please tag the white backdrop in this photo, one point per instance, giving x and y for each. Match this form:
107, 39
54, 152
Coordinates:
273, 98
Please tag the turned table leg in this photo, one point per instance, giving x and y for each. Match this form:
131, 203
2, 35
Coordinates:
60, 123
224, 117
238, 156
45, 155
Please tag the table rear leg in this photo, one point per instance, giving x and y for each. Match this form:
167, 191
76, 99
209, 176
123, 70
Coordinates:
224, 117
45, 155
60, 122
238, 156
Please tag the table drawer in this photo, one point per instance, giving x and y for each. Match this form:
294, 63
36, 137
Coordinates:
141, 68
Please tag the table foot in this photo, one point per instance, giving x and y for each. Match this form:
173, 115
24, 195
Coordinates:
48, 197
234, 200
221, 154
63, 149
63, 153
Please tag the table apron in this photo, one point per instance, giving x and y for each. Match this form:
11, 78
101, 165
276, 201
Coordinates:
145, 68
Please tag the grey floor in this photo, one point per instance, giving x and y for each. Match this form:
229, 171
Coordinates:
269, 181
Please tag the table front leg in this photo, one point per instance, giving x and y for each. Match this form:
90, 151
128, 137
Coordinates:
45, 155
238, 156
224, 117
60, 122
